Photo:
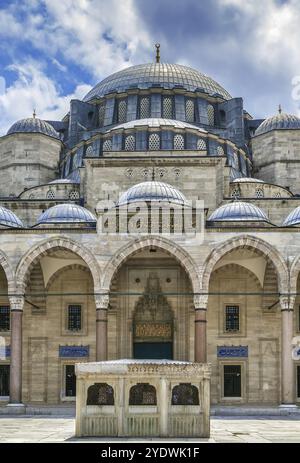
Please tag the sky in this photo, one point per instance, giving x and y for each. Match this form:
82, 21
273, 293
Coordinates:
54, 50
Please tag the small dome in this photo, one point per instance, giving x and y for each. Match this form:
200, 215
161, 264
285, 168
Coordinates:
238, 211
144, 76
152, 191
33, 125
278, 122
62, 180
293, 218
66, 213
247, 180
9, 219
157, 123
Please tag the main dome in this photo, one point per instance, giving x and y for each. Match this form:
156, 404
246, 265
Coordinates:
164, 75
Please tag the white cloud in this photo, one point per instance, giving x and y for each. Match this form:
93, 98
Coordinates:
33, 89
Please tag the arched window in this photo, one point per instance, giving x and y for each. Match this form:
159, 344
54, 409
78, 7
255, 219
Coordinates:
222, 117
220, 150
142, 394
74, 195
122, 111
100, 394
107, 145
89, 151
211, 114
185, 394
101, 114
130, 143
144, 107
259, 193
167, 109
178, 142
154, 142
50, 194
201, 144
277, 195
190, 110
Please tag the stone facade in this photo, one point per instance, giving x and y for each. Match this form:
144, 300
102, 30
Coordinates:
77, 294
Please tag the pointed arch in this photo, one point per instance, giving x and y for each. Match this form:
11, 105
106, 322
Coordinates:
9, 273
42, 248
246, 242
171, 248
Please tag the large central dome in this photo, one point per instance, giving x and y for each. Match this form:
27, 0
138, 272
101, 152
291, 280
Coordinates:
164, 75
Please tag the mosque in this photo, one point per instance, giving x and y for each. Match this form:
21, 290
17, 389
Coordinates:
161, 134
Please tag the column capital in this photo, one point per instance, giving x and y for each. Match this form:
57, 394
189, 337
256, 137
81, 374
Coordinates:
287, 303
16, 303
200, 301
102, 301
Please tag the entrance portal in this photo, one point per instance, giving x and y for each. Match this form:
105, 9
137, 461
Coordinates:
153, 323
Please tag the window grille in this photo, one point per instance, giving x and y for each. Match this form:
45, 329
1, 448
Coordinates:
4, 318
201, 144
74, 195
107, 145
220, 151
185, 394
130, 143
101, 114
50, 194
178, 142
190, 110
259, 193
144, 107
100, 394
122, 111
89, 151
167, 112
236, 193
211, 114
74, 318
232, 318
154, 142
142, 394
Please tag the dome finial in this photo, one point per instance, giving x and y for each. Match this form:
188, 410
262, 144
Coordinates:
34, 113
279, 109
157, 46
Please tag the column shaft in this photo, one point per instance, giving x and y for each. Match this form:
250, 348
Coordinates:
101, 334
200, 335
287, 363
16, 357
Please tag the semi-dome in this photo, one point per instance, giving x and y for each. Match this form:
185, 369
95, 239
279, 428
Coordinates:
157, 123
144, 76
293, 218
278, 122
238, 211
66, 213
247, 180
152, 191
33, 125
9, 219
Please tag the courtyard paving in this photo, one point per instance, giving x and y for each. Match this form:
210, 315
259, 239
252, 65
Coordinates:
223, 429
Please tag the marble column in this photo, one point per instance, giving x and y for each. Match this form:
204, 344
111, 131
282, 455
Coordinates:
16, 315
200, 303
102, 302
287, 363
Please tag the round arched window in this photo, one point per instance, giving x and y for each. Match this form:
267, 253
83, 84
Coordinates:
107, 145
178, 142
130, 143
154, 142
211, 114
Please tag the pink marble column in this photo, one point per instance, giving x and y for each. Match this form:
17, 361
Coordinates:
101, 326
16, 307
287, 363
200, 303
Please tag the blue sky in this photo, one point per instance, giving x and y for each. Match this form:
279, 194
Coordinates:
53, 50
